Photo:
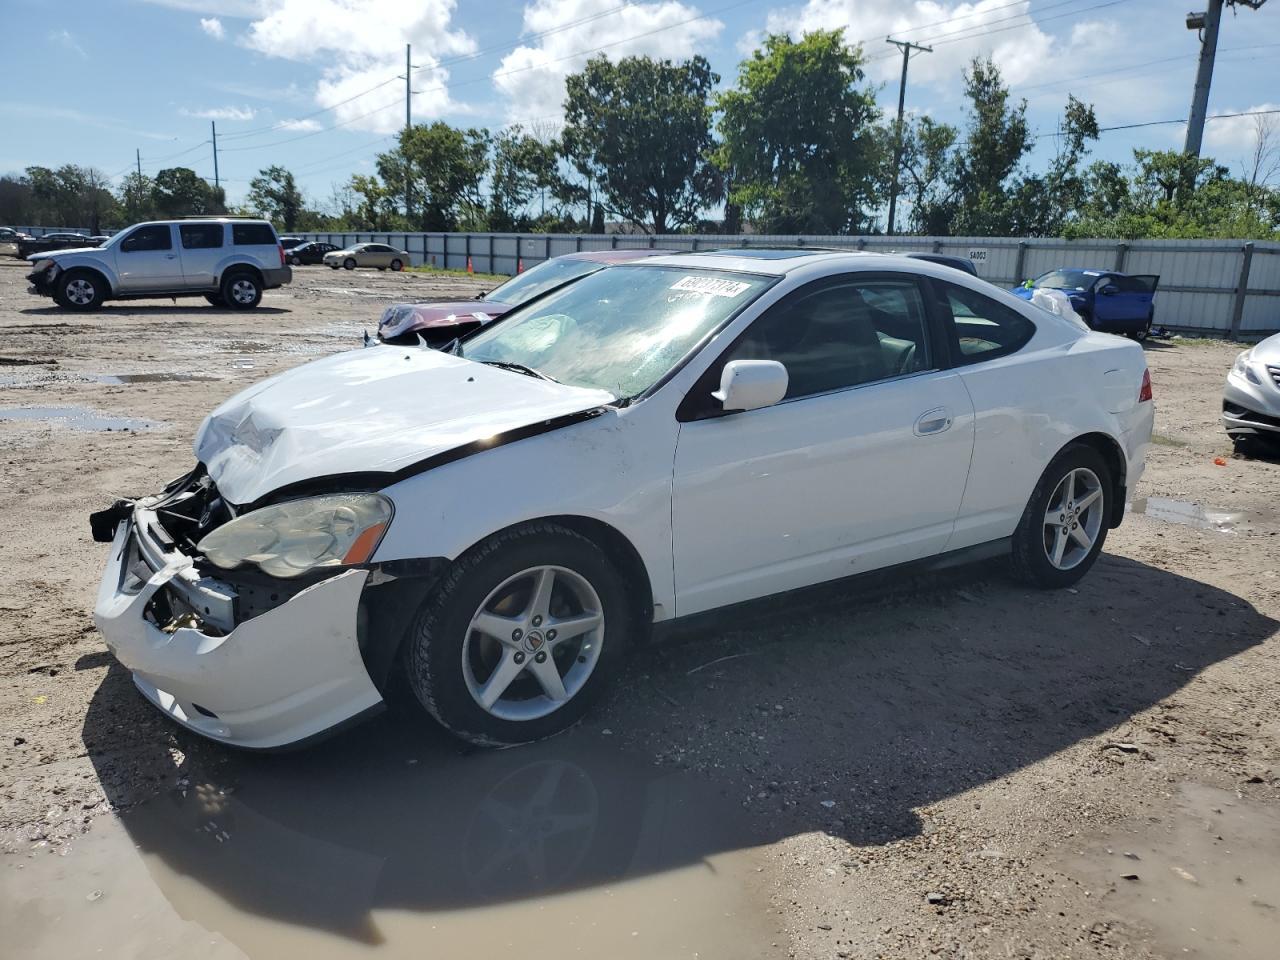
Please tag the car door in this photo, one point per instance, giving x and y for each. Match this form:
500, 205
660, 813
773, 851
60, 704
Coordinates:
147, 260
202, 245
861, 465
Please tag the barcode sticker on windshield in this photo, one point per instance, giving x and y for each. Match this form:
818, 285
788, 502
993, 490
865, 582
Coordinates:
715, 286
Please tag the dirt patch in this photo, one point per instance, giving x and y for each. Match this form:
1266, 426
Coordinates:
912, 761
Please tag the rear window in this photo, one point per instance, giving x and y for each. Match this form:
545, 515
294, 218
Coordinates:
200, 236
253, 235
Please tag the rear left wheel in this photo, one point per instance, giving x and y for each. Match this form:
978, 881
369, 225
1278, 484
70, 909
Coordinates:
241, 290
520, 638
397, 265
1066, 520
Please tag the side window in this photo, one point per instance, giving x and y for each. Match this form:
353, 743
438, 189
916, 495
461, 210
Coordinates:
201, 236
1129, 285
252, 235
984, 328
841, 335
154, 237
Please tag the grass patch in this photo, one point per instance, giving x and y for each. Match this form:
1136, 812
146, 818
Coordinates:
1162, 441
438, 272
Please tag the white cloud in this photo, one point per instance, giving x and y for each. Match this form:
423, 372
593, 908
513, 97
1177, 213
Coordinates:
1231, 136
64, 39
359, 44
213, 27
532, 76
1027, 53
305, 125
221, 113
225, 8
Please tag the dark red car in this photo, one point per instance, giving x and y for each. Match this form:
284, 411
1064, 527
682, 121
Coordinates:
439, 323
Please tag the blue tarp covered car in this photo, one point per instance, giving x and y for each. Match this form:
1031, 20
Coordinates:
1105, 300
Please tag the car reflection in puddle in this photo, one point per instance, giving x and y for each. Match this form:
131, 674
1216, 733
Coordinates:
568, 845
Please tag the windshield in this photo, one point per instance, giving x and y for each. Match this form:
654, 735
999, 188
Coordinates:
1068, 279
621, 329
538, 280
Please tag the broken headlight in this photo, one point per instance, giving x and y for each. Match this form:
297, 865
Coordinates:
292, 538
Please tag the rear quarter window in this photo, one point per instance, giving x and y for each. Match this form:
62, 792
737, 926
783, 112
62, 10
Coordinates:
983, 328
253, 235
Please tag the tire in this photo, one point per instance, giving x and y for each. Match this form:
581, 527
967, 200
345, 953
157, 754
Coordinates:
349, 263
447, 662
241, 290
215, 299
1035, 542
397, 265
80, 290
1142, 334
296, 261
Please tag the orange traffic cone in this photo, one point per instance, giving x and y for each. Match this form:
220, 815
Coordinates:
519, 265
470, 269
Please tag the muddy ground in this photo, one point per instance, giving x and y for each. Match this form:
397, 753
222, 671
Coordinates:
952, 767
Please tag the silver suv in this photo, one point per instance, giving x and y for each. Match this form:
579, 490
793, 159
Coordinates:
226, 260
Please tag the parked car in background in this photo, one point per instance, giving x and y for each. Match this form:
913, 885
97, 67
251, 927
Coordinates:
1251, 400
54, 241
1105, 300
439, 323
378, 255
9, 238
956, 263
229, 262
311, 252
289, 243
492, 530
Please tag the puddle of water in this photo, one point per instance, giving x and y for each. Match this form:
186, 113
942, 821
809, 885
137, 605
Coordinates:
1190, 514
1207, 876
79, 418
39, 378
544, 851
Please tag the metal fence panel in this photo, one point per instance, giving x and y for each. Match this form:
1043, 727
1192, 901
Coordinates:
1198, 278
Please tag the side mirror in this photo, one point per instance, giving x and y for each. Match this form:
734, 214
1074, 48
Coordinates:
751, 384
1110, 290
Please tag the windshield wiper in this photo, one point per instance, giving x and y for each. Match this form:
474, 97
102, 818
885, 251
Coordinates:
519, 368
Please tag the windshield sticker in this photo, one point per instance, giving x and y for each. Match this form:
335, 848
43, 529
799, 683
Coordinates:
714, 286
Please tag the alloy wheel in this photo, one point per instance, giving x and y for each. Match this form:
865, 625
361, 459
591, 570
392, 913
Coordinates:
80, 291
533, 643
1073, 518
243, 291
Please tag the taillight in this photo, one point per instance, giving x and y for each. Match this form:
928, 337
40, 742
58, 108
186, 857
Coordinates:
1145, 393
280, 247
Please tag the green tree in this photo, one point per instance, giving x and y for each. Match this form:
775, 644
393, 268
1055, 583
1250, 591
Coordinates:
180, 192
442, 166
927, 173
798, 135
1042, 204
274, 194
523, 165
71, 196
996, 140
640, 130
135, 197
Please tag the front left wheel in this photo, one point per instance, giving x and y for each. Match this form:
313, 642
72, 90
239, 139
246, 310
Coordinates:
520, 637
1066, 520
80, 290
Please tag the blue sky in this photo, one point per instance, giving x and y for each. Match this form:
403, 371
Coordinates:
311, 84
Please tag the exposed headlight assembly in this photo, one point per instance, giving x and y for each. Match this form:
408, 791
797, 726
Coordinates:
1241, 368
293, 538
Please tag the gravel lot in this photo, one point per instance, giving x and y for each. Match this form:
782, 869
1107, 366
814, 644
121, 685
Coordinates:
949, 766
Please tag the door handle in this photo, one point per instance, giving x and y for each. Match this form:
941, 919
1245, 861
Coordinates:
171, 256
937, 420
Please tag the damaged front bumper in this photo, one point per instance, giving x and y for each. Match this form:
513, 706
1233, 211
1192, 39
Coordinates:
42, 281
284, 675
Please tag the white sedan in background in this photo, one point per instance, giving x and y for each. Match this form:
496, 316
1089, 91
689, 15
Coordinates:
498, 524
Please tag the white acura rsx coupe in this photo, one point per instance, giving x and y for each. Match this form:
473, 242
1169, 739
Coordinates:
496, 524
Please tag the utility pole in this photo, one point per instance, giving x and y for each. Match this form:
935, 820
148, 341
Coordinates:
138, 155
1207, 22
906, 48
213, 125
408, 122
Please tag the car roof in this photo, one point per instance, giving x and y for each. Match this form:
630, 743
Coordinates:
621, 255
779, 261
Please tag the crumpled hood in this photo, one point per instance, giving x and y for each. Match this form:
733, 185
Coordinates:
378, 409
401, 318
